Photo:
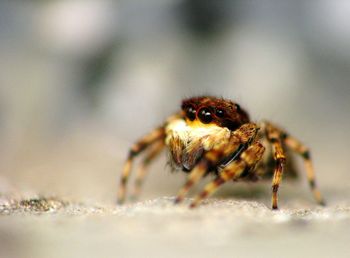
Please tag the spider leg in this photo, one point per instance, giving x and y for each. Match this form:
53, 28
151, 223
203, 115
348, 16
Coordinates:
196, 174
135, 150
273, 135
302, 150
234, 170
142, 170
238, 139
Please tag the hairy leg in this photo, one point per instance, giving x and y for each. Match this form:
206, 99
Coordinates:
156, 149
234, 170
302, 150
274, 137
196, 174
137, 148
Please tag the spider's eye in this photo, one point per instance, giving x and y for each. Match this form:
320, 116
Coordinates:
219, 112
205, 115
238, 107
191, 113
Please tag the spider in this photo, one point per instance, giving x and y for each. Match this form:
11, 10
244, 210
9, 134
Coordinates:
212, 135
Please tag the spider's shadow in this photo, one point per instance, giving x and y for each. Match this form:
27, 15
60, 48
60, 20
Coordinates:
241, 192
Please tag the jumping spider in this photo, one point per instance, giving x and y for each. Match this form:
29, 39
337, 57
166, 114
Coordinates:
215, 136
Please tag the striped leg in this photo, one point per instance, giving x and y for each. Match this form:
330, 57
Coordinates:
274, 137
302, 150
239, 139
142, 171
136, 149
196, 174
247, 159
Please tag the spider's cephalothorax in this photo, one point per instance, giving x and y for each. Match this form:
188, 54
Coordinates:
214, 135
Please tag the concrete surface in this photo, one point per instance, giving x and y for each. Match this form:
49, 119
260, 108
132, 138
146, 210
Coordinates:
233, 227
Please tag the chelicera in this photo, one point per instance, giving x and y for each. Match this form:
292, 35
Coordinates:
215, 136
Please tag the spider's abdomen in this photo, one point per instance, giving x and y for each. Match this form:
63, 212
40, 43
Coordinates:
187, 142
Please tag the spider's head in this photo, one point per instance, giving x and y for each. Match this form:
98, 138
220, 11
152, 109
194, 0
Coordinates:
206, 111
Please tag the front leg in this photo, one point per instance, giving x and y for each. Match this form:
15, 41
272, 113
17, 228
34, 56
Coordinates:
248, 159
236, 144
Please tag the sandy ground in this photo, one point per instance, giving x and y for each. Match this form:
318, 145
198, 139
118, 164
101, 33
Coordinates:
50, 227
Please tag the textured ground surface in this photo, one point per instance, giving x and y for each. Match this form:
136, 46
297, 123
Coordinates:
50, 227
82, 220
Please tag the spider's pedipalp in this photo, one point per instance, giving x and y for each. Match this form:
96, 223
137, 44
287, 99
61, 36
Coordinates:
137, 148
234, 170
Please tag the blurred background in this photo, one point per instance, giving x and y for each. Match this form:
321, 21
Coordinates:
81, 80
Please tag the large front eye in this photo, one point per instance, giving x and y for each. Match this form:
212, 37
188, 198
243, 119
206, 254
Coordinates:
205, 116
191, 113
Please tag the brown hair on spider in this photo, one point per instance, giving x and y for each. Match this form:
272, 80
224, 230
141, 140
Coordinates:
212, 110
